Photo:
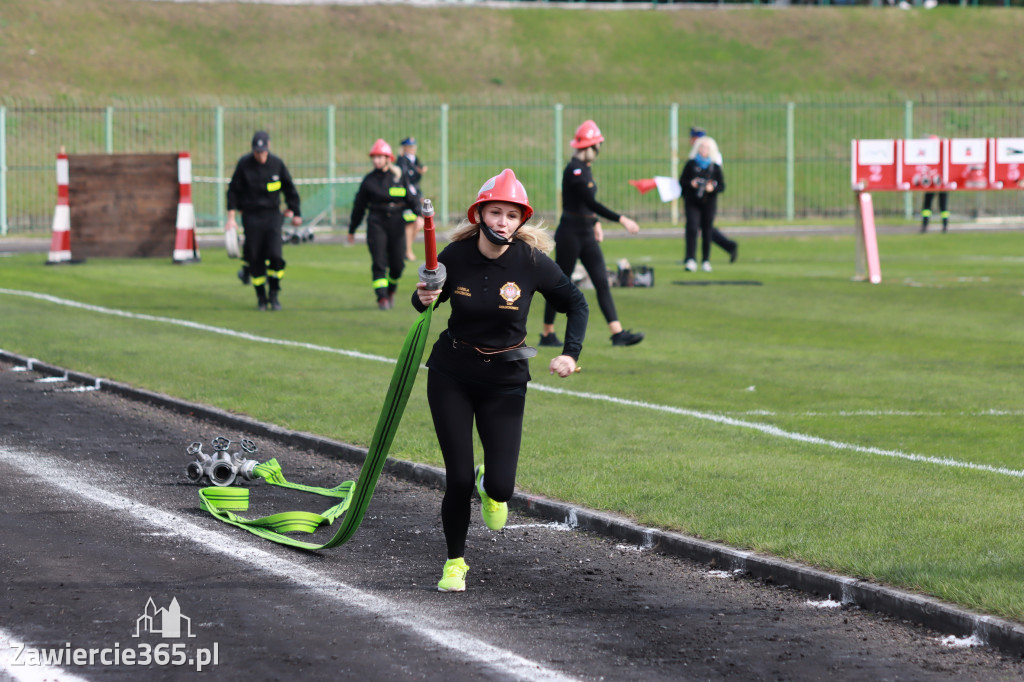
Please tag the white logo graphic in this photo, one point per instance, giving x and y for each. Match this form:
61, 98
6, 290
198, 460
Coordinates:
164, 622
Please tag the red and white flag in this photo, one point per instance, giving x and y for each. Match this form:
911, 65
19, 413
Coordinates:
668, 188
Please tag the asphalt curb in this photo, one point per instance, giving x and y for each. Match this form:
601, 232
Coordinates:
996, 632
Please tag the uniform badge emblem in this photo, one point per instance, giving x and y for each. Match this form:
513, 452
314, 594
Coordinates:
511, 292
577, 171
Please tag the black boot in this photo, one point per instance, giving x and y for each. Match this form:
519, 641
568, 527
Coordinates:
274, 304
382, 298
261, 297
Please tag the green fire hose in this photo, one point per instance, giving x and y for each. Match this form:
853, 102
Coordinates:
353, 496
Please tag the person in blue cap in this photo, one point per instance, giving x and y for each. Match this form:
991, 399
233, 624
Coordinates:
410, 165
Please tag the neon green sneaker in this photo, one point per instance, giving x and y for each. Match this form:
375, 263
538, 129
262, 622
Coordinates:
454, 578
495, 513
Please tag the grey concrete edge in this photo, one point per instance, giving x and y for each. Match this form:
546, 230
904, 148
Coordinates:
996, 632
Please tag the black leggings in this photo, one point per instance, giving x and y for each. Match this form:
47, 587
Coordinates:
575, 242
499, 421
701, 219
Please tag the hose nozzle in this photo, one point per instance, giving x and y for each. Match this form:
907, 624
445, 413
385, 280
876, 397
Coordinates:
432, 273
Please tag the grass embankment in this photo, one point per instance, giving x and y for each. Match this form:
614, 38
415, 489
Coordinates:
130, 48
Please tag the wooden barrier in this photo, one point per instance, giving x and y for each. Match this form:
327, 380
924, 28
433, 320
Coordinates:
123, 205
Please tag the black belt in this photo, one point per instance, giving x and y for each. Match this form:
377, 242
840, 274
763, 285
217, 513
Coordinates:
386, 207
519, 352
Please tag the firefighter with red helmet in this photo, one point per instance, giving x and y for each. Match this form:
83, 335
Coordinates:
478, 368
579, 234
391, 201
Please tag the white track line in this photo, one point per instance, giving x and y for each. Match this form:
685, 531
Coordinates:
766, 429
194, 325
10, 670
501, 662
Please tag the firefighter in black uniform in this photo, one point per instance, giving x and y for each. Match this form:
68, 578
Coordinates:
392, 201
410, 165
259, 180
579, 235
478, 368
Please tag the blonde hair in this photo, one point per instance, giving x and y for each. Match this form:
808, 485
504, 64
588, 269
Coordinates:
587, 154
713, 153
534, 236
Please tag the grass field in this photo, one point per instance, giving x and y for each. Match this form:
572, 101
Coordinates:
869, 430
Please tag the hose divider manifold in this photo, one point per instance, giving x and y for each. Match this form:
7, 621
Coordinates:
222, 468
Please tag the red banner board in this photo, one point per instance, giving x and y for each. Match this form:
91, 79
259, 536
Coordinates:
874, 164
1008, 164
937, 165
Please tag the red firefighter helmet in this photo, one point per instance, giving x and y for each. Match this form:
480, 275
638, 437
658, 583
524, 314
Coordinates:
502, 187
382, 148
587, 135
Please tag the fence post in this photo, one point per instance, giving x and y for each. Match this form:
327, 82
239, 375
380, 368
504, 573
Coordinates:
108, 130
332, 166
444, 164
558, 161
673, 138
908, 132
790, 160
219, 136
3, 171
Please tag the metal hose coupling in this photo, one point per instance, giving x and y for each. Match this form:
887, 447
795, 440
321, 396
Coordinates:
222, 468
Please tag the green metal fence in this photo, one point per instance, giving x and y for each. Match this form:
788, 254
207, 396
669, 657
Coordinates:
784, 160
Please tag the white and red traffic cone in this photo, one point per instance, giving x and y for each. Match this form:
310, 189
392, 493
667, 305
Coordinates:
185, 249
60, 243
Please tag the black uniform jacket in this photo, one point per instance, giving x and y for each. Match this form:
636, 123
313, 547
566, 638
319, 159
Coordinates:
579, 194
383, 195
713, 173
411, 167
258, 186
490, 300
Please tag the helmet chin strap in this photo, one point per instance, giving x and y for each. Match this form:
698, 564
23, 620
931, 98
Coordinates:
492, 236
495, 238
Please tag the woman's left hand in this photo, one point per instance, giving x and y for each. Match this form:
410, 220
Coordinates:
629, 224
563, 366
598, 232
